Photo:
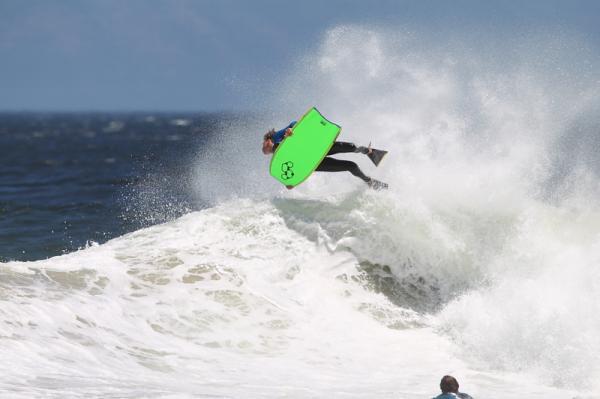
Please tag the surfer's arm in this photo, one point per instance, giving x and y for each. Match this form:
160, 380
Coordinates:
283, 133
288, 130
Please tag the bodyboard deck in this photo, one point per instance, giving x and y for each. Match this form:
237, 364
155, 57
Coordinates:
297, 157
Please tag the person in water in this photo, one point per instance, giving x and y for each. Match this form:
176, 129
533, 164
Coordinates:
273, 138
449, 387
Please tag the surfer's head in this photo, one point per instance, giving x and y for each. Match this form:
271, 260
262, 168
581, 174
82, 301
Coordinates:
449, 384
268, 146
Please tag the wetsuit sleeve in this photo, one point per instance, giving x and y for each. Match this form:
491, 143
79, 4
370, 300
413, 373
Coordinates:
278, 136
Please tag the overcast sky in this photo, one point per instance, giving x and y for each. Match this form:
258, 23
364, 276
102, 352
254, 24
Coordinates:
196, 55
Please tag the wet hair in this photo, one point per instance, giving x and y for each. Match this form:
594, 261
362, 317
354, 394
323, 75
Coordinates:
269, 135
449, 384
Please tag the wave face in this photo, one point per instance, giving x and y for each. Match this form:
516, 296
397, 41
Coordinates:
480, 261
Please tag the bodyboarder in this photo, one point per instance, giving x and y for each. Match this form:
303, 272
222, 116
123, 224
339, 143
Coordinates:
273, 138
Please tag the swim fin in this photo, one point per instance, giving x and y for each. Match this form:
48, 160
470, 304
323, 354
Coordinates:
377, 185
376, 156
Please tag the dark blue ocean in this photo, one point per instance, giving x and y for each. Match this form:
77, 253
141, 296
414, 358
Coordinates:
67, 180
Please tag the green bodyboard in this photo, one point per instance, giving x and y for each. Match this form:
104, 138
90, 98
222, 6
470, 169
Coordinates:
299, 155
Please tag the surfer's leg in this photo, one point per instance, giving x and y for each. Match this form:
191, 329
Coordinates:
339, 165
341, 147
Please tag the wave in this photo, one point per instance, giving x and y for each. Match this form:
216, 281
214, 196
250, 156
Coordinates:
285, 280
494, 174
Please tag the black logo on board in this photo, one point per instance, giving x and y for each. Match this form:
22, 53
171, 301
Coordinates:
286, 170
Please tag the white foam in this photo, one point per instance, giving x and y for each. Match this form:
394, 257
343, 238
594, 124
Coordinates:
228, 301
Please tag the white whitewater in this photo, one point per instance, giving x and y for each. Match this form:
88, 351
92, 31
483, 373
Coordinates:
481, 261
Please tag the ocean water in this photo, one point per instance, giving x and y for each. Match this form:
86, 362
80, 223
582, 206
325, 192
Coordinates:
71, 179
194, 274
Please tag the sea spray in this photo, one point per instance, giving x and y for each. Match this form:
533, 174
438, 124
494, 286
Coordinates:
493, 169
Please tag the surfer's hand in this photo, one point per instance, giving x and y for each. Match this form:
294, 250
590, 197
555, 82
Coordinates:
288, 132
289, 187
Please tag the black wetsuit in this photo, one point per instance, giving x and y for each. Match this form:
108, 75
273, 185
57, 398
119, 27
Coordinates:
339, 165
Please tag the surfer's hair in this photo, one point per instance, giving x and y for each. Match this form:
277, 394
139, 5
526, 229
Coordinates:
269, 135
449, 384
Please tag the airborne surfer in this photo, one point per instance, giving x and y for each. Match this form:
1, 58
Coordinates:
273, 138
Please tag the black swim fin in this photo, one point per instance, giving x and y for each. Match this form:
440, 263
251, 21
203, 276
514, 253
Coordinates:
377, 185
376, 156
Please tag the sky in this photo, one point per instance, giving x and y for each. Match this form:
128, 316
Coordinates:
201, 55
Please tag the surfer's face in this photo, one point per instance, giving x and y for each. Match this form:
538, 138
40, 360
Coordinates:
267, 147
